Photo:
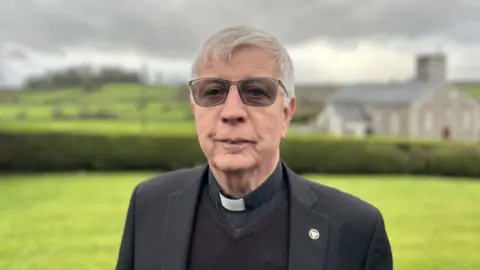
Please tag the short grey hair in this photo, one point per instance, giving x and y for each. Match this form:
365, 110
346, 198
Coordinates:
221, 45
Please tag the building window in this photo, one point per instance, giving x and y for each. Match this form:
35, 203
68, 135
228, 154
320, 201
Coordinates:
394, 123
378, 119
428, 122
466, 120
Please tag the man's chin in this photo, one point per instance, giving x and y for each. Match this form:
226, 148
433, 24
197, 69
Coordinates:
231, 162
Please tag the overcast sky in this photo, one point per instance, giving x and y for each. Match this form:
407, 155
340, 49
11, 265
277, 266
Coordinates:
330, 40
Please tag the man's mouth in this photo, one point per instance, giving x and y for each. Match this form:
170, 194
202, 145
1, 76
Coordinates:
235, 141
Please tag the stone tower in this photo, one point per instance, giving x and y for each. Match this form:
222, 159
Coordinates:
431, 67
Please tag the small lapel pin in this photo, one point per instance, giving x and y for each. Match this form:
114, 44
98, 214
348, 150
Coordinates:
314, 234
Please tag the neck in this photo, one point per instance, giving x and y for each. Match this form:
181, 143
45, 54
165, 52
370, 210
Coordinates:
240, 183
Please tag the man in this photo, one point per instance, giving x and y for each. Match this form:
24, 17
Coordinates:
246, 209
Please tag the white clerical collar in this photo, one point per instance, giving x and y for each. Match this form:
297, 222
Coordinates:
235, 205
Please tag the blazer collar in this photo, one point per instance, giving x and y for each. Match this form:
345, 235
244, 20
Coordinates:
308, 228
179, 221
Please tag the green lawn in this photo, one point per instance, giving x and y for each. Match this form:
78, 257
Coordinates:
34, 110
101, 127
74, 221
472, 89
120, 100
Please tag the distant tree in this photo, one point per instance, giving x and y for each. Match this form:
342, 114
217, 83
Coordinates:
12, 97
369, 132
21, 115
81, 76
182, 94
58, 113
141, 107
142, 101
91, 84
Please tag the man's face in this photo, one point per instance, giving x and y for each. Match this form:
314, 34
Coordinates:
235, 136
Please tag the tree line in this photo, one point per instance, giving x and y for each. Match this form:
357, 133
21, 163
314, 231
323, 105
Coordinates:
82, 76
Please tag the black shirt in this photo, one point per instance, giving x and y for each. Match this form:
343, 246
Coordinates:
217, 246
259, 203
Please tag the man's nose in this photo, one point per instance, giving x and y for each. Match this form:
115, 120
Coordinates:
233, 109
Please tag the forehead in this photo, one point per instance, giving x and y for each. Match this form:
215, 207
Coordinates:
247, 61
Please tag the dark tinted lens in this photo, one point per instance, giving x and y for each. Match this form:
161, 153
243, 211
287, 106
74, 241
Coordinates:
258, 91
209, 92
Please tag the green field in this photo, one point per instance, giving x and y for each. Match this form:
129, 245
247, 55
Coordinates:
472, 89
129, 108
101, 127
74, 221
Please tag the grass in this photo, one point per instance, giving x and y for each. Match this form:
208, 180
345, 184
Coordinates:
472, 89
101, 127
74, 221
108, 94
34, 110
123, 100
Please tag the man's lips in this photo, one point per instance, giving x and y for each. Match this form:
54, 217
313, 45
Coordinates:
234, 141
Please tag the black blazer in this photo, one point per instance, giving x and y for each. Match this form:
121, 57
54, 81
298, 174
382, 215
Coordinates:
161, 214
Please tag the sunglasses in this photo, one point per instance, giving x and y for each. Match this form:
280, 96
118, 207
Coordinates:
258, 92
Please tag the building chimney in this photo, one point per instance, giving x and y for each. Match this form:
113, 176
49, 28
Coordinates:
431, 67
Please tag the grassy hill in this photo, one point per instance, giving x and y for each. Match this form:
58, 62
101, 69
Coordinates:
471, 88
120, 99
115, 107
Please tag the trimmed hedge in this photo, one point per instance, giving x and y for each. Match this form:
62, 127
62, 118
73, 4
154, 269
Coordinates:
37, 152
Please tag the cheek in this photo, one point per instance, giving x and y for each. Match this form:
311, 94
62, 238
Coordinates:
203, 120
203, 125
269, 127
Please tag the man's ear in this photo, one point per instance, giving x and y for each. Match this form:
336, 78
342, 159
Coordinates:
192, 103
288, 115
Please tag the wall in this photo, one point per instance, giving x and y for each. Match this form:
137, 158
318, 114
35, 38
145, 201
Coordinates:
329, 121
450, 110
391, 122
356, 129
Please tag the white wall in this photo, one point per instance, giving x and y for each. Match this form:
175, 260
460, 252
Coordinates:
357, 129
330, 120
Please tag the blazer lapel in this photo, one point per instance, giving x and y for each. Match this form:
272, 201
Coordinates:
179, 223
308, 228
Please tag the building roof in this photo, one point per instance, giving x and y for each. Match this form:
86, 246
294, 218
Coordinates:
313, 92
352, 113
393, 94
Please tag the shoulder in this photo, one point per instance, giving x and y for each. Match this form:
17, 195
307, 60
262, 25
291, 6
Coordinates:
343, 206
357, 226
170, 182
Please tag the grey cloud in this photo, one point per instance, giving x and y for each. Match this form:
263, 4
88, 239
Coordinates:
175, 27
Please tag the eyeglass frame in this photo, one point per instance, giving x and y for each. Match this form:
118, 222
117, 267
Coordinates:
236, 84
